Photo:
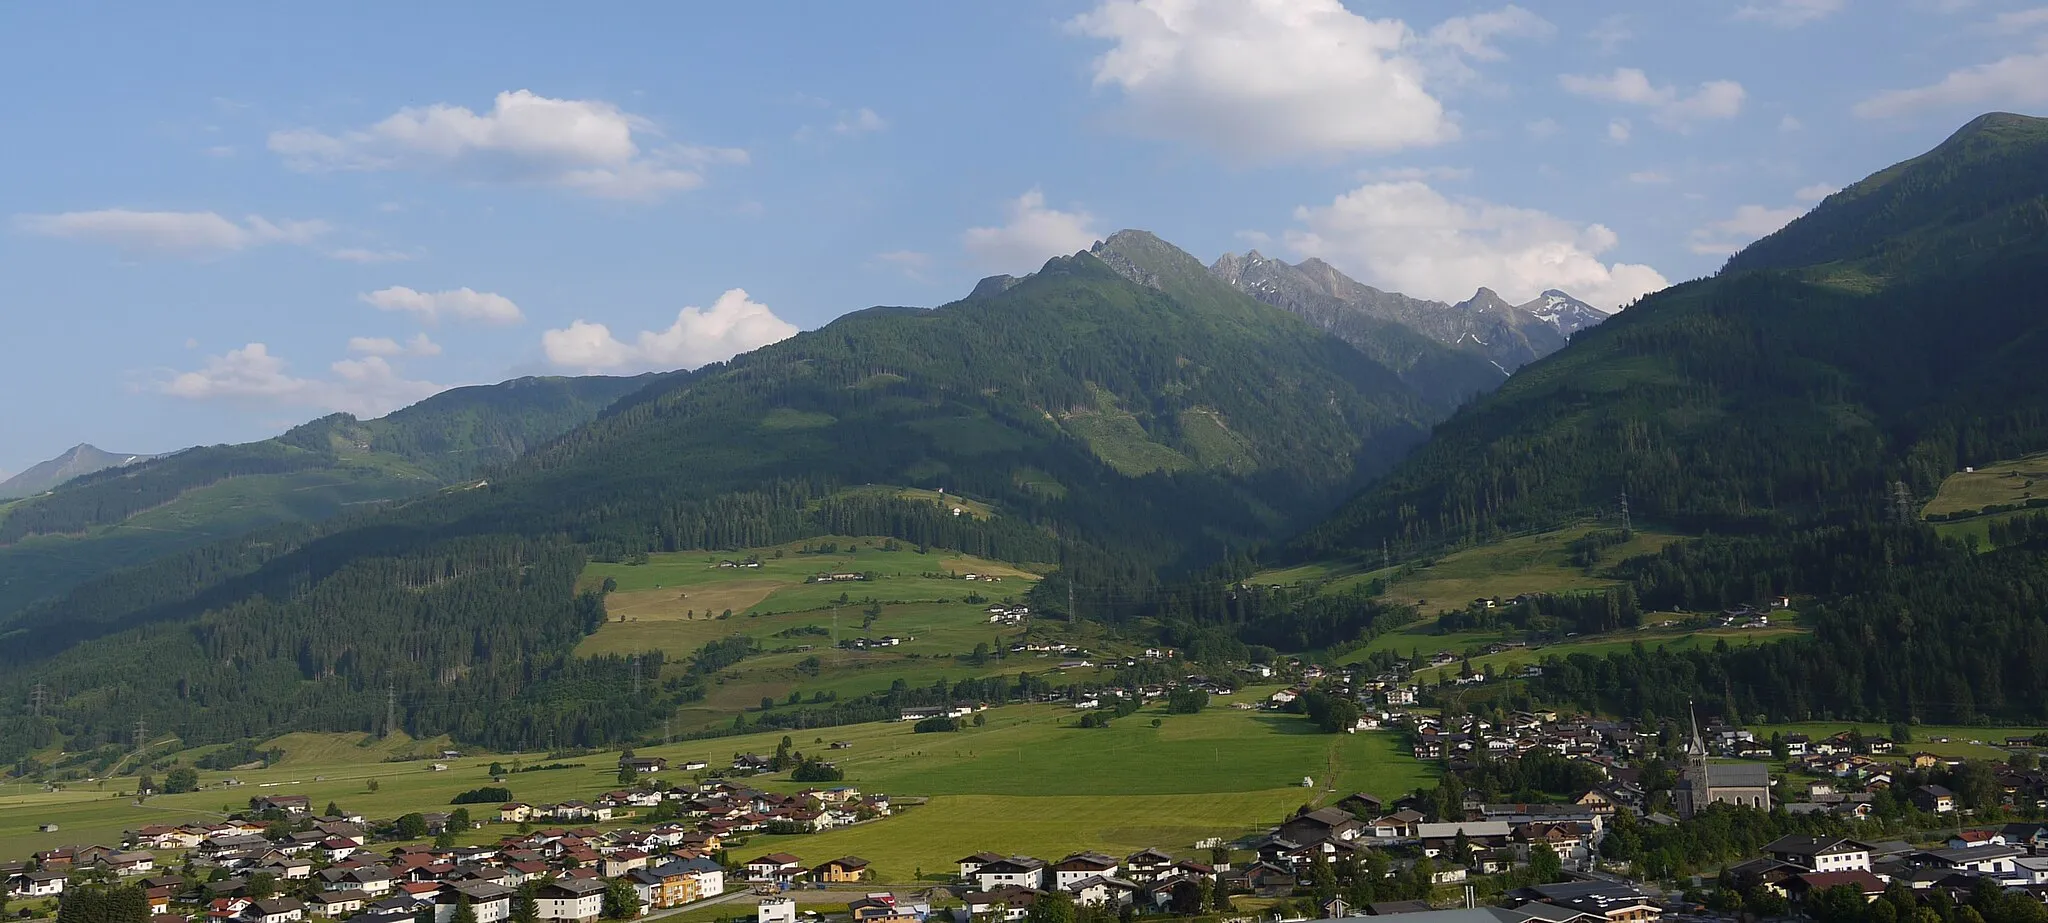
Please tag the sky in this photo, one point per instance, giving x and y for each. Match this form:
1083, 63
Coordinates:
226, 219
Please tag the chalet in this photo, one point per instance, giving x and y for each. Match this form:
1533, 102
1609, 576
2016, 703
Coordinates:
283, 804
275, 910
643, 763
1322, 824
515, 812
1079, 866
843, 870
492, 903
1004, 905
1611, 901
1261, 878
1812, 883
1820, 854
1966, 839
972, 864
775, 868
1103, 891
1934, 799
880, 908
575, 900
45, 883
1147, 865
1012, 872
1982, 860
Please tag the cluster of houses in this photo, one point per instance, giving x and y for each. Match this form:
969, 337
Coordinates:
325, 866
2014, 856
1008, 615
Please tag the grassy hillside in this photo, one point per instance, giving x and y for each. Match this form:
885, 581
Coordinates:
1891, 335
125, 517
2012, 484
1111, 428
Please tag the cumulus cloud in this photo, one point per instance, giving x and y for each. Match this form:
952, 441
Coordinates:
1649, 177
367, 387
1786, 14
1477, 36
462, 304
1268, 79
1815, 192
589, 146
911, 263
1033, 234
1544, 128
859, 122
1410, 238
2015, 81
1385, 174
419, 345
1714, 99
169, 234
732, 325
1750, 222
1619, 131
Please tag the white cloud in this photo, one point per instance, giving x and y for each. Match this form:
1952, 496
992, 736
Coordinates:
1750, 222
1410, 238
1268, 79
1815, 192
1786, 14
170, 234
734, 324
1475, 36
364, 255
1033, 234
1619, 130
589, 146
1649, 177
2015, 81
1789, 124
366, 387
2022, 19
419, 345
859, 122
1611, 33
1544, 128
465, 304
1385, 174
1714, 99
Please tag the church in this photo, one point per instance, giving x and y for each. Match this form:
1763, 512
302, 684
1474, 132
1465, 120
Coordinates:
1702, 783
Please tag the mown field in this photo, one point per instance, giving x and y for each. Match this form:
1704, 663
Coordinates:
676, 603
1977, 743
1539, 563
1027, 781
2007, 482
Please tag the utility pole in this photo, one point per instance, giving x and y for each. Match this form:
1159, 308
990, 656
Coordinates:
37, 694
1071, 615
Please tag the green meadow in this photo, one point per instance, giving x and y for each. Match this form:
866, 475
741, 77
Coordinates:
1027, 781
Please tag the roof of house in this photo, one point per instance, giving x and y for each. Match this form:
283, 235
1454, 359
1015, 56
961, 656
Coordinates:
1796, 845
1822, 881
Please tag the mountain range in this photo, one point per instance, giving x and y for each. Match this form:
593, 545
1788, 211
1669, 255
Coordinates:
1131, 416
77, 461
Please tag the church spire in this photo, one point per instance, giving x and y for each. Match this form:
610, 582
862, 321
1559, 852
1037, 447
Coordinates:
1698, 746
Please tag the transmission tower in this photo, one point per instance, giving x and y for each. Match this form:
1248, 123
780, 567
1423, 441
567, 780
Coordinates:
141, 733
1625, 530
37, 695
636, 674
1902, 503
390, 709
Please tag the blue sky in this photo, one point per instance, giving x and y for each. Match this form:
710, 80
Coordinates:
222, 220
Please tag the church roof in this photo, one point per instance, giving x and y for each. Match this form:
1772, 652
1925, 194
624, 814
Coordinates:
1738, 775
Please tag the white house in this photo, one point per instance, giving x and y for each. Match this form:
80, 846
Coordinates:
775, 910
579, 900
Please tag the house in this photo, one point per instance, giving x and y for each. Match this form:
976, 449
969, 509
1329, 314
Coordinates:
843, 870
1013, 872
1147, 865
1982, 860
1812, 883
1322, 824
1924, 760
1966, 839
336, 904
1934, 799
775, 868
491, 902
45, 883
275, 910
1080, 866
579, 900
973, 864
1820, 854
643, 763
879, 908
775, 910
1006, 905
284, 804
515, 812
128, 864
1611, 901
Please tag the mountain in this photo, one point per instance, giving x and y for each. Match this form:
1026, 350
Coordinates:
78, 461
1382, 323
1116, 429
128, 514
1569, 315
1363, 317
1892, 334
